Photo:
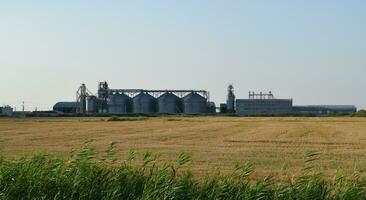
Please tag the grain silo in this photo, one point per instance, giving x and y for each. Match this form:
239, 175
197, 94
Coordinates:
119, 104
194, 103
120, 101
92, 104
144, 103
169, 103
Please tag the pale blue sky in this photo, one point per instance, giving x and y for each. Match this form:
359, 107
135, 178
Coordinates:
312, 51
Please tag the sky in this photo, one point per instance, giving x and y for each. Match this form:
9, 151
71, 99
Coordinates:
311, 51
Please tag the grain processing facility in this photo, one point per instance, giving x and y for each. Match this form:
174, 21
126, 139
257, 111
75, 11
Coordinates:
266, 104
263, 104
140, 101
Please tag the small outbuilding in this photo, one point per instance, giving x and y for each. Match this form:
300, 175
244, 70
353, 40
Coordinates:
6, 110
66, 107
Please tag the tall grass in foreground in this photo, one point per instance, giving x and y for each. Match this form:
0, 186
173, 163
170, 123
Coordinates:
84, 176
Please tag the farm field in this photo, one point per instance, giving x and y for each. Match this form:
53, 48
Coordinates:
275, 146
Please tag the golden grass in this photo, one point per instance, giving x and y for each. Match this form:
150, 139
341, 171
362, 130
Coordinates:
273, 145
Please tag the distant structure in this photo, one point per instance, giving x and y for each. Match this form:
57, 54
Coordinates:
79, 106
66, 107
102, 98
139, 101
263, 104
261, 95
211, 107
81, 97
230, 103
324, 109
223, 108
6, 110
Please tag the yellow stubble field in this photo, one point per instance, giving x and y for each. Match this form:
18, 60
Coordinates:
273, 145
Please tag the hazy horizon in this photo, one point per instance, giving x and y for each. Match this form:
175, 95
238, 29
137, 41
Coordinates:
311, 51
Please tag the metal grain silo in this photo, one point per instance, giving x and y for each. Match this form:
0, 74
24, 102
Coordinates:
92, 104
169, 103
144, 103
194, 103
119, 104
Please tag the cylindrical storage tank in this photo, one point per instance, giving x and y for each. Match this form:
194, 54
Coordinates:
169, 103
194, 104
211, 107
92, 104
119, 104
144, 103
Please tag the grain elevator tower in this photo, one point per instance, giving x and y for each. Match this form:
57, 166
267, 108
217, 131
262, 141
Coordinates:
230, 99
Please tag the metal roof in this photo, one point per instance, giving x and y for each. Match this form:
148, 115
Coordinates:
66, 105
330, 107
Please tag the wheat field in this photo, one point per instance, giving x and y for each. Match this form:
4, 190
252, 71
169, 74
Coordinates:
274, 145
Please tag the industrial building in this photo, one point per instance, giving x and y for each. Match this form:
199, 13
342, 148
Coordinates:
259, 104
137, 101
66, 107
263, 104
140, 101
324, 109
6, 110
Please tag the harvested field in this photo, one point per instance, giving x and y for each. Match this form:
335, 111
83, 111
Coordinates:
275, 146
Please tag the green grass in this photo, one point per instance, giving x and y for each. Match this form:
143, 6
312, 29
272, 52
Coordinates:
88, 175
360, 113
